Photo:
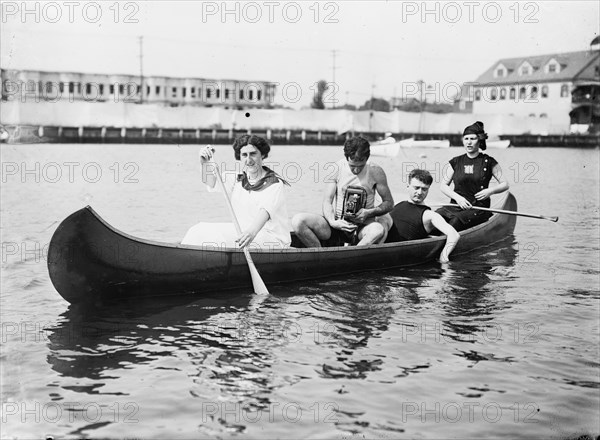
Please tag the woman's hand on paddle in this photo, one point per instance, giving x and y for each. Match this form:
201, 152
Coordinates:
208, 167
206, 154
463, 203
484, 194
246, 238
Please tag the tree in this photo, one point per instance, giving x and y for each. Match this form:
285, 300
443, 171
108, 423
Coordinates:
317, 101
377, 104
410, 105
414, 105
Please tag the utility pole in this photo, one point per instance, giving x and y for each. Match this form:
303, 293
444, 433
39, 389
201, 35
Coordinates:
371, 106
372, 94
141, 40
333, 52
421, 104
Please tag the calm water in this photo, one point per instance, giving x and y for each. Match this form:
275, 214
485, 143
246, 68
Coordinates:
501, 343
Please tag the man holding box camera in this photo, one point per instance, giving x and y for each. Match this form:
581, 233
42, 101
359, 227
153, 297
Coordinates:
349, 211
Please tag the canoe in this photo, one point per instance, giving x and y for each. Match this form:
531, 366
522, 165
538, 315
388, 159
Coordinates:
88, 259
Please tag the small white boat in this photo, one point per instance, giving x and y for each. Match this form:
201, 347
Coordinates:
387, 147
433, 143
390, 148
498, 143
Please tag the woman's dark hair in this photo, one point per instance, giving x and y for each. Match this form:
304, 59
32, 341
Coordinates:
249, 139
478, 130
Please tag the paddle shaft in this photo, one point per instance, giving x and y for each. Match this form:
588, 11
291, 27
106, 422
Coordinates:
502, 211
257, 282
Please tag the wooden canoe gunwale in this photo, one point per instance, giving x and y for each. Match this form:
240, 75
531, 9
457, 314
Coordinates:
88, 257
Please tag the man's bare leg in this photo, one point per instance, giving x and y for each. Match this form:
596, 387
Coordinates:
311, 228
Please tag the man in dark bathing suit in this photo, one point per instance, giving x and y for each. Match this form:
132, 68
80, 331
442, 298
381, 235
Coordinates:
413, 220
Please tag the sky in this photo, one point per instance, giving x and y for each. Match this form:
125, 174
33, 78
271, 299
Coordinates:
378, 48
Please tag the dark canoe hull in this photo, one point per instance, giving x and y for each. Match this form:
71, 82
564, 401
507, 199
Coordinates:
88, 258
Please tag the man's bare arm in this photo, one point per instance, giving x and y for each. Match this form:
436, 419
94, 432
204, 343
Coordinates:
383, 189
441, 225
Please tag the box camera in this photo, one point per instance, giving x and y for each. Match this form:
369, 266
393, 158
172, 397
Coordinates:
355, 198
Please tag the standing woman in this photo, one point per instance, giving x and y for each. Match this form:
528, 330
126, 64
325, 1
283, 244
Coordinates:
471, 174
257, 196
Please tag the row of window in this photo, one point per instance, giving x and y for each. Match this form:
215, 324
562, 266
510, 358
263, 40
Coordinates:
131, 90
500, 93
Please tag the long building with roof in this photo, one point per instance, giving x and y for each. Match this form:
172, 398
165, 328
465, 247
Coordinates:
564, 87
43, 86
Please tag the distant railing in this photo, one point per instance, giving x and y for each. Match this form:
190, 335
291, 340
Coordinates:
174, 136
586, 99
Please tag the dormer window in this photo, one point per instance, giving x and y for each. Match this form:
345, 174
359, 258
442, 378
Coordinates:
553, 66
500, 71
525, 69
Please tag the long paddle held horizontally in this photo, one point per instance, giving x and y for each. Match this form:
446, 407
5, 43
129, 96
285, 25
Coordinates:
257, 282
502, 211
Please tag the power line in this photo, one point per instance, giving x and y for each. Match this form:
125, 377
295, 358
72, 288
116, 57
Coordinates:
333, 68
141, 38
213, 43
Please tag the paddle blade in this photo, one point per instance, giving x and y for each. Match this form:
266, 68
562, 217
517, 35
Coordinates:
259, 286
257, 282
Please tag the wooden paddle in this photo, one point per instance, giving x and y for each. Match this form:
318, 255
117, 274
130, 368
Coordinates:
502, 211
259, 286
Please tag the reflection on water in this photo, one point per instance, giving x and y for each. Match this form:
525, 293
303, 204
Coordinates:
90, 341
231, 349
344, 355
466, 292
352, 323
471, 306
242, 364
334, 349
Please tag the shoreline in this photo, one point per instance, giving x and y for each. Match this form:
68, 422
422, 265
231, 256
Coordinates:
34, 134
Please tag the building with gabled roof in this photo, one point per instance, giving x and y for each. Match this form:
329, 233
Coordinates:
557, 67
564, 87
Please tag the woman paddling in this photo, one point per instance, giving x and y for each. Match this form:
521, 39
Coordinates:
257, 196
471, 174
